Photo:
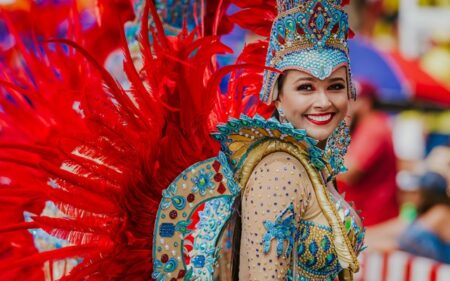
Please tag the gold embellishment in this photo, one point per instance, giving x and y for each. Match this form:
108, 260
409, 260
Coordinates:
344, 251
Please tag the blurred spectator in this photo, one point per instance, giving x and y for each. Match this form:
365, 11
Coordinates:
429, 235
439, 161
364, 15
370, 181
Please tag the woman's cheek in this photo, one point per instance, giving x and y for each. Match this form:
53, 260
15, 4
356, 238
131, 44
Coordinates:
341, 102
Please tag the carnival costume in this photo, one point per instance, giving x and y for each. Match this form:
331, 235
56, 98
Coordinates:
110, 179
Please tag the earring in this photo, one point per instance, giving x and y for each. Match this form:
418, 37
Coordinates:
282, 115
336, 148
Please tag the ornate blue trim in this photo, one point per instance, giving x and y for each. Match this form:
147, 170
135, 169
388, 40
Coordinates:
271, 128
208, 182
282, 229
227, 171
212, 220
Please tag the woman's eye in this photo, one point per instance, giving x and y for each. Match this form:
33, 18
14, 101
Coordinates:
337, 86
305, 87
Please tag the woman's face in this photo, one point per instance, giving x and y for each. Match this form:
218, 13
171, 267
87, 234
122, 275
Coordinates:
318, 106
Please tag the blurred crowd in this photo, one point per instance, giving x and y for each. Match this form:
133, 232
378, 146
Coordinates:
399, 158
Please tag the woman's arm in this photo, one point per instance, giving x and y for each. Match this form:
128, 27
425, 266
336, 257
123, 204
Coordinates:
272, 203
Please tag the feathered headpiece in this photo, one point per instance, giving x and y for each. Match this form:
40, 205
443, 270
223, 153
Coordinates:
307, 35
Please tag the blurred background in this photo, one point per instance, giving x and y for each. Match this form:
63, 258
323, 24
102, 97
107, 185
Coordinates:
399, 159
401, 62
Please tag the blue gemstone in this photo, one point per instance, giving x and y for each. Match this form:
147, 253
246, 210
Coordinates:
310, 262
325, 243
313, 249
171, 265
320, 22
167, 230
300, 249
330, 258
198, 261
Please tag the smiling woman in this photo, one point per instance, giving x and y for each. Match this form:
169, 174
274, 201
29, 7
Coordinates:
309, 103
294, 224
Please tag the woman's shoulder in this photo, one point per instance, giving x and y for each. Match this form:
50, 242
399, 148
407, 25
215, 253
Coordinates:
282, 159
281, 164
281, 173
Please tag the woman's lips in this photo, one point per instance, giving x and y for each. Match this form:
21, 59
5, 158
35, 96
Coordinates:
320, 118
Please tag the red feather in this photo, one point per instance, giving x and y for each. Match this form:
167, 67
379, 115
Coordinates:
257, 19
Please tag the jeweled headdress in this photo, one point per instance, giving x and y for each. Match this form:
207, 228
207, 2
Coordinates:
307, 35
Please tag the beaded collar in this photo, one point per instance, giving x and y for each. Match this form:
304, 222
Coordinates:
238, 136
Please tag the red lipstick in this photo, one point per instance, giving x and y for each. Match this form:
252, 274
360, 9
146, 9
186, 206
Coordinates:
320, 118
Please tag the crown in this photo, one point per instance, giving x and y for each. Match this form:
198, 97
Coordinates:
304, 25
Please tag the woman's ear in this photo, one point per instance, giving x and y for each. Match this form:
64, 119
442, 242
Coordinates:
276, 92
277, 103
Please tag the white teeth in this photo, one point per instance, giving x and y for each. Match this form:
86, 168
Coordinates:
320, 118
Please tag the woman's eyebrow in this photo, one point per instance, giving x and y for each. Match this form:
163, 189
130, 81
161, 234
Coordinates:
304, 79
335, 79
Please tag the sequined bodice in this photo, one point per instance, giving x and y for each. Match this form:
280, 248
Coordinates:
315, 255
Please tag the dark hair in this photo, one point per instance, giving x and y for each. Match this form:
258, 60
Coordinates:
236, 224
280, 83
433, 191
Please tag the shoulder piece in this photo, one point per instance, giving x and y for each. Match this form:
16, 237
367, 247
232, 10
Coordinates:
239, 136
192, 214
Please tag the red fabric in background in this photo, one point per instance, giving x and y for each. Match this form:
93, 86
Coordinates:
372, 152
424, 86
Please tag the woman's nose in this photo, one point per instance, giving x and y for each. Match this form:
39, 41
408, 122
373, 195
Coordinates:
322, 100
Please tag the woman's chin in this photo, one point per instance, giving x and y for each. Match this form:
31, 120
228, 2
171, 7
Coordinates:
319, 134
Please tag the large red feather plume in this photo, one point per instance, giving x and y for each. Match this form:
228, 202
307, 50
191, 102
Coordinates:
71, 135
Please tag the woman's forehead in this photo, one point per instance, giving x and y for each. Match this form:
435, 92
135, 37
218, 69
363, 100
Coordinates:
340, 71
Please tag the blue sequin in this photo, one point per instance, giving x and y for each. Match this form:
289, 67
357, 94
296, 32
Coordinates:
320, 22
198, 261
170, 265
